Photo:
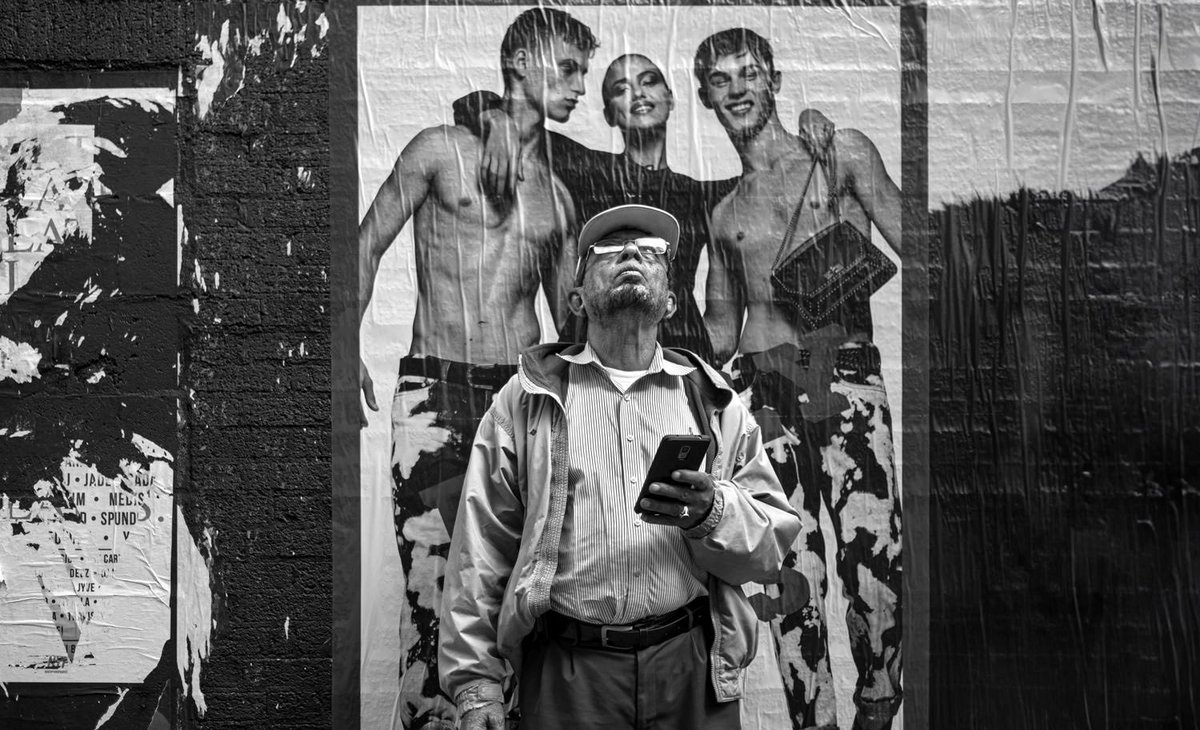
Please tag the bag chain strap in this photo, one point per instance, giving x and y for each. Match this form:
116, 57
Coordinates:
795, 220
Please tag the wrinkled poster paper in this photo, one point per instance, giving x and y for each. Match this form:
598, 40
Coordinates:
85, 547
839, 72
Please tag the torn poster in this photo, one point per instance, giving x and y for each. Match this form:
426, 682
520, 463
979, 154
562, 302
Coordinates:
52, 178
87, 566
89, 322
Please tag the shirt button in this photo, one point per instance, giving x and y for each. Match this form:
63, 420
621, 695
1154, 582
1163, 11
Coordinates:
633, 480
629, 437
626, 399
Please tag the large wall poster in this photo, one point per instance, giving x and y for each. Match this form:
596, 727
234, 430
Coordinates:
840, 71
89, 326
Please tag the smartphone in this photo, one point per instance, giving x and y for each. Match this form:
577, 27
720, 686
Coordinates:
675, 451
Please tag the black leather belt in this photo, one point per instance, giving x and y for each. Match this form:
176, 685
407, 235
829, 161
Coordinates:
627, 637
488, 377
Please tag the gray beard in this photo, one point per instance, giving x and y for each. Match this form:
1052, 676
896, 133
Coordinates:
630, 301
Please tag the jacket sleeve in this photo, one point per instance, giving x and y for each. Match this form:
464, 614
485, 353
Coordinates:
751, 526
487, 536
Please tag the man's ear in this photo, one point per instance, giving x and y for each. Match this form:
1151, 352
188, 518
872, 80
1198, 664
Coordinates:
519, 62
575, 303
671, 306
608, 116
776, 81
702, 92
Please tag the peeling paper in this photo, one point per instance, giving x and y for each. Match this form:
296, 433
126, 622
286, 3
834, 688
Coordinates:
193, 614
87, 565
18, 361
53, 179
296, 30
112, 708
167, 192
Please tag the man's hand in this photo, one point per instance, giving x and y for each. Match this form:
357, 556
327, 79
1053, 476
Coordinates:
500, 169
684, 507
816, 131
368, 391
488, 717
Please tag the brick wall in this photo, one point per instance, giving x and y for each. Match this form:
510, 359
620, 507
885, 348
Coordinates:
256, 204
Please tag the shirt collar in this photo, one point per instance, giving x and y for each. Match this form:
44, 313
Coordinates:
587, 356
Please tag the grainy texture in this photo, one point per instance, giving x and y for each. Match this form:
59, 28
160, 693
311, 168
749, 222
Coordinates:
1063, 431
249, 322
256, 208
1065, 454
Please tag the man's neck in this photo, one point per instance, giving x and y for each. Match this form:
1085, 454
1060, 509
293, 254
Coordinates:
647, 148
531, 127
765, 149
624, 346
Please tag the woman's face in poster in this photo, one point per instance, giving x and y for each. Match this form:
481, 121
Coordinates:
636, 95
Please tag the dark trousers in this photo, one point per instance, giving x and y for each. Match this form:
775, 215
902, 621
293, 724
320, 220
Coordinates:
662, 687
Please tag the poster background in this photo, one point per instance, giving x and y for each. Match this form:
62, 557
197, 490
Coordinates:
414, 61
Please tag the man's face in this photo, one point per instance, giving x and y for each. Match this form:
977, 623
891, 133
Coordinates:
629, 282
554, 77
742, 93
637, 93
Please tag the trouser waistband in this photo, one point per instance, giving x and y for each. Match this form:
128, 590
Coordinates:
490, 377
627, 637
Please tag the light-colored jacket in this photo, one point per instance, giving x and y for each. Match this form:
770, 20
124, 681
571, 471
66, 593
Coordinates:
504, 552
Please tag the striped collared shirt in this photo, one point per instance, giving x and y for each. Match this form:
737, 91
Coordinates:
612, 567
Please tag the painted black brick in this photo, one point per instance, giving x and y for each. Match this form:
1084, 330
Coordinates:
259, 369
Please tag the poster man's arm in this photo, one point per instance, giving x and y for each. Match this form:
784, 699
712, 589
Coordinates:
558, 273
500, 168
726, 299
401, 194
870, 183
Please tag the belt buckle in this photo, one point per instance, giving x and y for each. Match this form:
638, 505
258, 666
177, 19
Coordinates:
604, 641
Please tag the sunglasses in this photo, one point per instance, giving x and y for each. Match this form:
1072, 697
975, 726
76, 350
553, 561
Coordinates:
647, 245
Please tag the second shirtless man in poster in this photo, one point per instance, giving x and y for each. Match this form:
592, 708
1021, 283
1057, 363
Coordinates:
819, 392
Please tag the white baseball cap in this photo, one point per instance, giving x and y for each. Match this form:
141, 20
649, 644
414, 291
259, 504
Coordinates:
654, 221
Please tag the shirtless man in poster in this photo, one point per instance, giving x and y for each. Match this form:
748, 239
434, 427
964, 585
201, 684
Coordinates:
478, 270
817, 394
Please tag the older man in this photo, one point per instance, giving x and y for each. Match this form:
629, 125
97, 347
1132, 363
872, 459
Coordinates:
612, 619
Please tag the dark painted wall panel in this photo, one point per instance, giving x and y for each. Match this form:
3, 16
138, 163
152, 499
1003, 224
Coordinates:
1064, 454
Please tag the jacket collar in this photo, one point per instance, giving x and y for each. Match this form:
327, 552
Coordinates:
545, 368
